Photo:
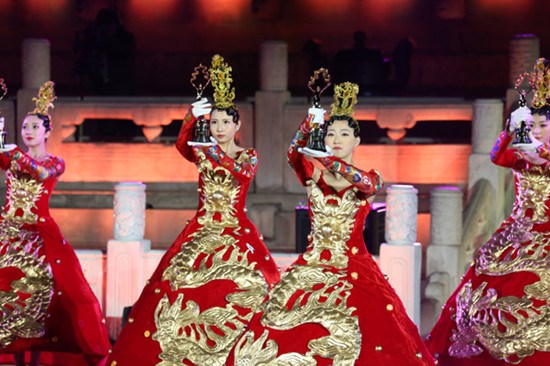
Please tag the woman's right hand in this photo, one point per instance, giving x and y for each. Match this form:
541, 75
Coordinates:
318, 115
517, 116
201, 108
8, 147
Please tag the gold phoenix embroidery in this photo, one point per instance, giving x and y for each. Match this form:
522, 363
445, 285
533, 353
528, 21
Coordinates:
184, 331
323, 292
510, 328
23, 317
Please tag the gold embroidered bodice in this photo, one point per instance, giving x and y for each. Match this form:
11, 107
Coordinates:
316, 291
27, 200
23, 309
212, 253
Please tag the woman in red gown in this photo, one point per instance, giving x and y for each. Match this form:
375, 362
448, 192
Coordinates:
46, 303
218, 270
500, 312
333, 306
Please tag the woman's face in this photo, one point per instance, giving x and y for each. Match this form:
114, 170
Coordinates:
540, 128
33, 131
340, 139
222, 127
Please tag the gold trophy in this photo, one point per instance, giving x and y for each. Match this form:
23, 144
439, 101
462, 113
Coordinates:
318, 83
3, 133
200, 78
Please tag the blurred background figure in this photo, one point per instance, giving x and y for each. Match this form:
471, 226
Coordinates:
105, 56
361, 65
401, 61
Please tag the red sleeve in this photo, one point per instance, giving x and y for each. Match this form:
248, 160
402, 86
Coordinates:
302, 167
369, 182
185, 135
243, 167
40, 171
510, 158
544, 152
5, 159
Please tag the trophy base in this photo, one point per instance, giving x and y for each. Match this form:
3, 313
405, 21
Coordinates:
193, 143
525, 147
314, 153
7, 147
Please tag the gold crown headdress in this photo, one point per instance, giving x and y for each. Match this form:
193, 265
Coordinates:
220, 74
4, 89
45, 98
539, 79
345, 99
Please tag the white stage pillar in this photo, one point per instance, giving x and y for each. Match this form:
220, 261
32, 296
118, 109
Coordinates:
401, 255
125, 253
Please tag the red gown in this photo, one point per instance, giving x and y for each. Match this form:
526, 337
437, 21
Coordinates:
46, 303
211, 279
500, 312
333, 306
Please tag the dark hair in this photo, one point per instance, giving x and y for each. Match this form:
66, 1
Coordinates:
231, 111
542, 111
352, 123
46, 120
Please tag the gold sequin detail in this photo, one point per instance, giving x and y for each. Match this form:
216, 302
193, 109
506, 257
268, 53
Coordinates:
354, 275
378, 348
354, 250
147, 334
130, 320
389, 307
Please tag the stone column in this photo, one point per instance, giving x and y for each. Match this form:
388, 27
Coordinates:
35, 58
274, 66
129, 207
35, 66
442, 267
125, 253
524, 51
401, 255
269, 113
487, 125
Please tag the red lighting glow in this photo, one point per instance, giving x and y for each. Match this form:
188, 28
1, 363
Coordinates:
37, 9
505, 6
158, 9
222, 11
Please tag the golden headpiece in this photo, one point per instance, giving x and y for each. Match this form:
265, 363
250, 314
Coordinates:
45, 98
539, 79
345, 99
4, 91
220, 74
